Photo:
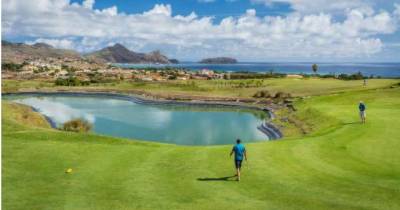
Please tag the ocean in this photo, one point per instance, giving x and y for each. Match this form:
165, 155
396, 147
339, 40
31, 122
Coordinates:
367, 69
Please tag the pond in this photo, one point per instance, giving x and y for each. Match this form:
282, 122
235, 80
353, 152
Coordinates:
176, 124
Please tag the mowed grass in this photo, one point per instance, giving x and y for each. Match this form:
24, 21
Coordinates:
349, 166
215, 88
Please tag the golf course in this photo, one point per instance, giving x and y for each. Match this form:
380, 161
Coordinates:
338, 163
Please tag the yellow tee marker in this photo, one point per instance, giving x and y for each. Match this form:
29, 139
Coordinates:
68, 171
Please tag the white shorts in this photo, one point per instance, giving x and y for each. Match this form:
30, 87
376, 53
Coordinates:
363, 114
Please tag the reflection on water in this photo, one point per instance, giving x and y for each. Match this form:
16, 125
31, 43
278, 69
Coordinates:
57, 111
188, 125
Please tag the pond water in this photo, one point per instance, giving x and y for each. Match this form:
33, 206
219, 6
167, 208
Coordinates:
176, 124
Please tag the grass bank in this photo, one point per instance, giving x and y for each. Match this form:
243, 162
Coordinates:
343, 165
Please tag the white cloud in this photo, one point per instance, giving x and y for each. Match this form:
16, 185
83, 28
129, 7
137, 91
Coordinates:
57, 43
57, 111
88, 4
111, 11
397, 10
316, 6
191, 37
159, 9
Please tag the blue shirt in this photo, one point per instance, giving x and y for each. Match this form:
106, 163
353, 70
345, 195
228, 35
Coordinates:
239, 151
361, 107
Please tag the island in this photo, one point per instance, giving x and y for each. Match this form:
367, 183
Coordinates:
174, 61
219, 60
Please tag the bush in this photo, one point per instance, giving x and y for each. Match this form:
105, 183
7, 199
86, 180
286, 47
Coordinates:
71, 81
282, 95
262, 94
12, 66
357, 76
172, 77
77, 125
327, 76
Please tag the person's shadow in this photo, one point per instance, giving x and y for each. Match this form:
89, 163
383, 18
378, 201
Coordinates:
225, 178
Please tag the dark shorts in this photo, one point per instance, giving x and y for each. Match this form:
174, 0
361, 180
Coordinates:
238, 163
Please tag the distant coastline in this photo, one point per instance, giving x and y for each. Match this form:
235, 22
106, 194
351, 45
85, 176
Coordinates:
389, 69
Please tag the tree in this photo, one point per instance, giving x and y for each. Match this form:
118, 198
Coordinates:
315, 68
12, 66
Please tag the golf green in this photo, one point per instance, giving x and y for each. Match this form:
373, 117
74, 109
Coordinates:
343, 165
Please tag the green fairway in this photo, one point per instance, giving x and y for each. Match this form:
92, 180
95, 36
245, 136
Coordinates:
213, 88
341, 165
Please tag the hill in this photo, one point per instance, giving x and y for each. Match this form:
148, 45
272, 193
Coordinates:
19, 52
120, 54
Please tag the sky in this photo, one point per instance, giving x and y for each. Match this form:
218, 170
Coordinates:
189, 30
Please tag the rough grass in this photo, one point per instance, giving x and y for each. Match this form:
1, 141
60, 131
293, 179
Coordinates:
304, 121
22, 114
77, 125
216, 88
349, 166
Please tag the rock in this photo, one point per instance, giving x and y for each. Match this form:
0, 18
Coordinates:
219, 60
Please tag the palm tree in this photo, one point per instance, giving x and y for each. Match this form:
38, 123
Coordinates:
315, 68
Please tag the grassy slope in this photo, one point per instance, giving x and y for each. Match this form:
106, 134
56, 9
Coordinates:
353, 166
23, 114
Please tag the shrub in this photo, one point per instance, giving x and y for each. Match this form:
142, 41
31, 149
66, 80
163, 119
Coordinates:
12, 66
327, 76
71, 81
172, 77
262, 94
357, 76
282, 95
77, 125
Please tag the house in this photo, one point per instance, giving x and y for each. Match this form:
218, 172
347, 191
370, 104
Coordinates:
294, 76
29, 67
182, 78
61, 73
147, 79
207, 72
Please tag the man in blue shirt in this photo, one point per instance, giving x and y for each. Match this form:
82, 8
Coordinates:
362, 109
240, 152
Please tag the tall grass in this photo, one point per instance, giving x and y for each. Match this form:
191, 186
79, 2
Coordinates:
77, 125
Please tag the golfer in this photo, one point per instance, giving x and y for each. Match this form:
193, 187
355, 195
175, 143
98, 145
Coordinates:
363, 114
240, 152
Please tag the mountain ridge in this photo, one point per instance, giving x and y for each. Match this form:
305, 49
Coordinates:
118, 53
19, 52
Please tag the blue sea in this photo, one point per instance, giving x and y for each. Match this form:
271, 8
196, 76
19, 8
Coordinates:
376, 69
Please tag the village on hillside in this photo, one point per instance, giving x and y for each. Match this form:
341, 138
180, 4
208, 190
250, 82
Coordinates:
88, 71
